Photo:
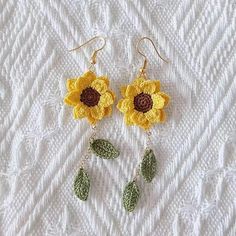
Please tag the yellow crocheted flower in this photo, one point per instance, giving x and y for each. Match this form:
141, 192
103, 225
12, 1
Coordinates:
143, 103
90, 96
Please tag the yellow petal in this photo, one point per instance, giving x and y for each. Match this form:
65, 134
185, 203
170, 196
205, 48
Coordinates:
72, 98
132, 91
106, 100
120, 104
125, 105
158, 101
148, 86
153, 115
138, 81
162, 116
91, 120
70, 84
107, 111
156, 116
82, 83
113, 94
166, 97
123, 90
127, 118
97, 112
105, 79
85, 80
138, 118
158, 85
90, 75
100, 85
80, 111
146, 125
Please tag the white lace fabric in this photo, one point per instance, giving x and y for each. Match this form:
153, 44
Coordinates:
41, 145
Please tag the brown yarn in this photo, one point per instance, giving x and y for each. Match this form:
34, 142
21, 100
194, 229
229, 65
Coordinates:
90, 97
143, 102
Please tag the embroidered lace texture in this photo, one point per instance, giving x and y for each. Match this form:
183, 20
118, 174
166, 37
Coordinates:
41, 144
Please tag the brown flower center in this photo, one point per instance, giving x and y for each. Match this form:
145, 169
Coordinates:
143, 102
90, 97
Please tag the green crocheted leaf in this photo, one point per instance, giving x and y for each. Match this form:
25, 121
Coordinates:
148, 165
81, 185
104, 149
130, 196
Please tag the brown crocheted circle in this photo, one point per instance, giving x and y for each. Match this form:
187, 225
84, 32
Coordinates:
90, 97
143, 102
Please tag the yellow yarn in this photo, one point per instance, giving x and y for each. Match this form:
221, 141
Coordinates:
143, 103
90, 96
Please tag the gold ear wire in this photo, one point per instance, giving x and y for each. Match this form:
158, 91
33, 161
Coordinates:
143, 68
94, 55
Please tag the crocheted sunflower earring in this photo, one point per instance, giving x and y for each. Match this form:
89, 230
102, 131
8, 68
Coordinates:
91, 98
143, 105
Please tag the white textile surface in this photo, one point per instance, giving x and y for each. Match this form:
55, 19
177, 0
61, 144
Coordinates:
41, 145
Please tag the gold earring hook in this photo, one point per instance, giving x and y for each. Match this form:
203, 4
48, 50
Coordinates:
142, 70
94, 55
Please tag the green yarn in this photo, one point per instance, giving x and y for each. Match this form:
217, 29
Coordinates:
148, 165
81, 185
104, 149
130, 196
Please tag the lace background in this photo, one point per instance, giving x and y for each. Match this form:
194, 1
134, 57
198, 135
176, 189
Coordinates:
41, 144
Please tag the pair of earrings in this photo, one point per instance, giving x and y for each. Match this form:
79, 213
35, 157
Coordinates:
142, 104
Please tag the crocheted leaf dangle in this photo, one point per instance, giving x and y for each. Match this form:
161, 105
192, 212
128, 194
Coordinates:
148, 165
81, 185
104, 149
130, 196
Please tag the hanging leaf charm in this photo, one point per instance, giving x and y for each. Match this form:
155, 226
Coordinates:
148, 165
104, 149
81, 185
130, 196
